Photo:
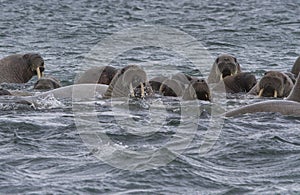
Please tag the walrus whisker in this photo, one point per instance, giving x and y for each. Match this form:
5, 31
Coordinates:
260, 92
142, 90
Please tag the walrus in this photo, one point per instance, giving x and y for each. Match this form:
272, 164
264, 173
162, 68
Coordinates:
129, 81
171, 87
98, 75
241, 82
156, 82
273, 84
197, 89
20, 68
47, 83
4, 92
296, 67
289, 106
225, 65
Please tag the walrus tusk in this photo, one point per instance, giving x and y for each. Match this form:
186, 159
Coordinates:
275, 94
206, 96
261, 92
131, 90
38, 72
221, 77
142, 90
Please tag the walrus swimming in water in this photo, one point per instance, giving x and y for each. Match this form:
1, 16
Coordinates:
47, 83
241, 82
156, 82
296, 67
197, 89
98, 75
4, 92
289, 106
273, 84
20, 68
130, 81
225, 65
171, 87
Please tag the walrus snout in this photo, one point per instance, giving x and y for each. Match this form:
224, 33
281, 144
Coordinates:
202, 90
227, 69
36, 63
197, 89
270, 87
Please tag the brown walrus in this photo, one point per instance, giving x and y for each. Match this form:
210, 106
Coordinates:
98, 75
225, 65
47, 83
197, 89
156, 82
273, 84
171, 87
20, 68
130, 81
238, 83
288, 106
296, 67
4, 92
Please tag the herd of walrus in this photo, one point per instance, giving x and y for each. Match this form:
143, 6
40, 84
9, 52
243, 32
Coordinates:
132, 81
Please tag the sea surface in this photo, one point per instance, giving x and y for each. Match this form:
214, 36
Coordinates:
153, 146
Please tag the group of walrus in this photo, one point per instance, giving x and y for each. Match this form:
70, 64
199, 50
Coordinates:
132, 81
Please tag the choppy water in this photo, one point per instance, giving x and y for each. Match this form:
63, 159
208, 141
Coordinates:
45, 150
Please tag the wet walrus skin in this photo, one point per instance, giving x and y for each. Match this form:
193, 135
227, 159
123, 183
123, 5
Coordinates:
130, 81
197, 89
47, 83
225, 65
241, 82
290, 106
273, 84
20, 68
98, 75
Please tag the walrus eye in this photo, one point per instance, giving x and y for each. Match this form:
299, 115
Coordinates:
217, 60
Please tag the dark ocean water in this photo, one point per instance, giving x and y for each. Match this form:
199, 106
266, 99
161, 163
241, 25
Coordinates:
154, 147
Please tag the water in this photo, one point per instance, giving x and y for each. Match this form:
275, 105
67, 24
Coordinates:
43, 149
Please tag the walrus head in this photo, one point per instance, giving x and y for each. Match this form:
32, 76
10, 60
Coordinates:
47, 83
129, 81
36, 63
272, 84
197, 89
227, 65
107, 75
